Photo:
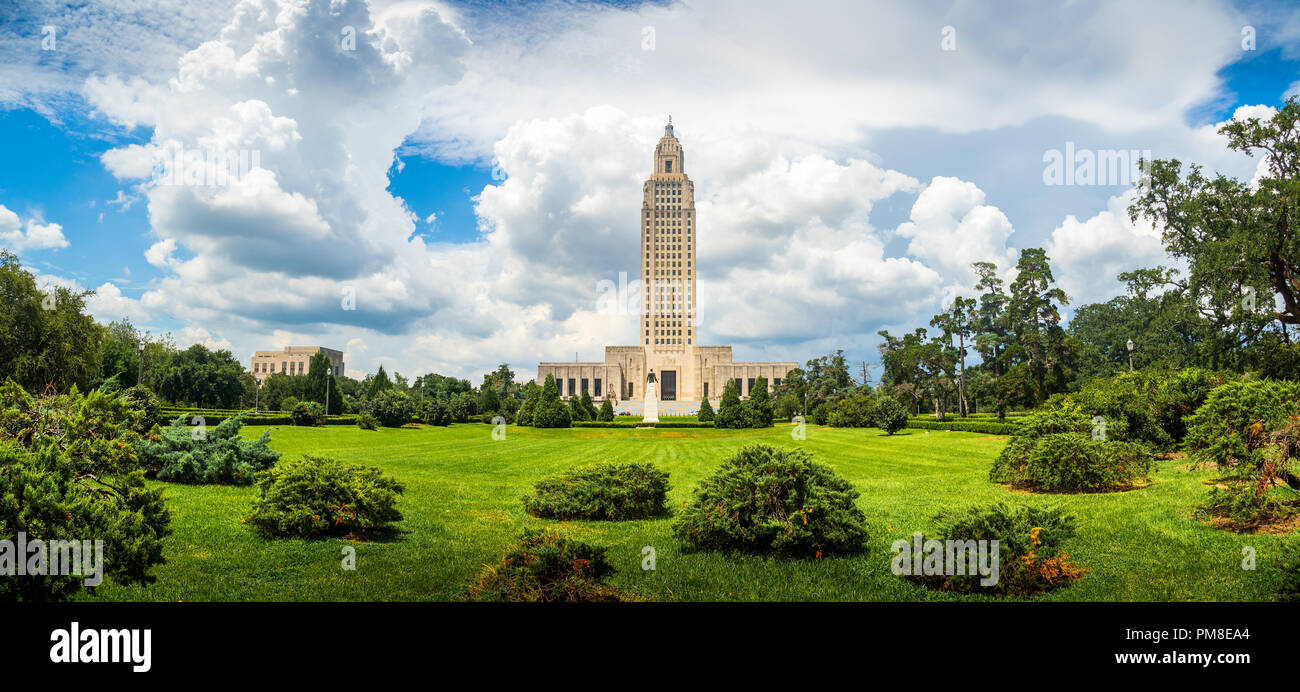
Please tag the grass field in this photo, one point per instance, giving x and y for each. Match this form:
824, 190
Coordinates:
462, 508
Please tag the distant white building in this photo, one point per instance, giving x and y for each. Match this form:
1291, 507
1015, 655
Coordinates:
293, 360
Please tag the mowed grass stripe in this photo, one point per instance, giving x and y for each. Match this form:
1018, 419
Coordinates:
463, 510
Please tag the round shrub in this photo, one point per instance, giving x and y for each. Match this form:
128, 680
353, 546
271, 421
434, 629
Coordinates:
1073, 462
607, 491
853, 412
313, 497
308, 413
890, 415
774, 501
545, 568
288, 403
1030, 555
551, 415
142, 399
1014, 458
365, 421
392, 407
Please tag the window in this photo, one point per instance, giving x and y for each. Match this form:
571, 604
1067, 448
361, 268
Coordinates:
776, 382
584, 385
571, 389
706, 390
750, 388
669, 166
595, 387
737, 385
629, 390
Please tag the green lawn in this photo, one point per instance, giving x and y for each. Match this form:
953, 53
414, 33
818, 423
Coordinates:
462, 510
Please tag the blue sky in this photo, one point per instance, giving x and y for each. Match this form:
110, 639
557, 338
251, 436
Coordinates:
545, 94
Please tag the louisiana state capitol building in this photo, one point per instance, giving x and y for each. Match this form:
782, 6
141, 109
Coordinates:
669, 326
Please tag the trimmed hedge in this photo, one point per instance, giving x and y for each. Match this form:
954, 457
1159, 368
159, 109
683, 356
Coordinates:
986, 427
214, 417
630, 425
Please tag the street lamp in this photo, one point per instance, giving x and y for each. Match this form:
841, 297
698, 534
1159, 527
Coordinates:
1130, 354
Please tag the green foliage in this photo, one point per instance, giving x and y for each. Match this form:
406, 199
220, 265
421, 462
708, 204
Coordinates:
758, 410
577, 412
314, 497
550, 411
1054, 451
852, 412
775, 501
198, 376
392, 407
1231, 428
206, 454
532, 394
1288, 569
1247, 506
142, 399
365, 421
1030, 548
890, 415
46, 338
308, 413
321, 386
378, 383
462, 406
731, 412
987, 427
1073, 462
94, 433
606, 491
1014, 458
436, 413
546, 567
42, 496
588, 407
706, 413
606, 411
288, 404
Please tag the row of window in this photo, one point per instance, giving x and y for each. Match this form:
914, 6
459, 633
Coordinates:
571, 390
287, 367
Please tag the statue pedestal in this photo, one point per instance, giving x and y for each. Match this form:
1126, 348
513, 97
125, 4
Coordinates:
651, 403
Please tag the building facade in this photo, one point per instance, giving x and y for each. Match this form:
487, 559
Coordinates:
293, 360
668, 325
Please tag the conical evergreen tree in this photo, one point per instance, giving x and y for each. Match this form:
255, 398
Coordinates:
706, 411
606, 411
731, 412
759, 406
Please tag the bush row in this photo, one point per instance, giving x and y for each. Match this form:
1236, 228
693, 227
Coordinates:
975, 426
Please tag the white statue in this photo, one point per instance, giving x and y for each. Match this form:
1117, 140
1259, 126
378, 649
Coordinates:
651, 400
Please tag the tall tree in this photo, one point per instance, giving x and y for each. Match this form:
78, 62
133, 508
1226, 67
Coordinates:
320, 381
46, 337
1035, 315
1238, 239
378, 383
957, 323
